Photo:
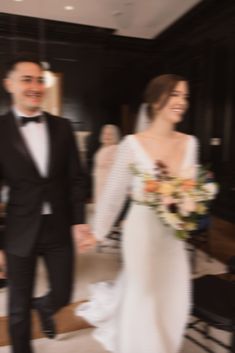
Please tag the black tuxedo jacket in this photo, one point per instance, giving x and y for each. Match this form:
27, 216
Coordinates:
63, 187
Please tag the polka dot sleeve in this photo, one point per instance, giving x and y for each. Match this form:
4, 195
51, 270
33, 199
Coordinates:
115, 191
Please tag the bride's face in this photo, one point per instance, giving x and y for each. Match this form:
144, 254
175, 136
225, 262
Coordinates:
176, 104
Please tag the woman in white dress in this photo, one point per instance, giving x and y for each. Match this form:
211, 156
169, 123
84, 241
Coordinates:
146, 309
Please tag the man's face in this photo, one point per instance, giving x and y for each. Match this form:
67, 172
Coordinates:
26, 85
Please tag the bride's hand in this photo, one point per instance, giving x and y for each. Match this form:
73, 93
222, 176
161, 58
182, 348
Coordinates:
88, 243
83, 238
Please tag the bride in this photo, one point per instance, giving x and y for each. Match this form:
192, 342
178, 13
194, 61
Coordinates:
147, 307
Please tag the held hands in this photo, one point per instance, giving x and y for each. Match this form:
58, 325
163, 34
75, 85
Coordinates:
2, 265
83, 238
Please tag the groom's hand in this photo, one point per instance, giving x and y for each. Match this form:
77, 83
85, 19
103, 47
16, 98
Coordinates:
88, 243
83, 238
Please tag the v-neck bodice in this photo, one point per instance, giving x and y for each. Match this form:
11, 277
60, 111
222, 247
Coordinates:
121, 181
145, 158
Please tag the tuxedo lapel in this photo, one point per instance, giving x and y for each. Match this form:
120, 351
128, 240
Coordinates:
18, 141
51, 142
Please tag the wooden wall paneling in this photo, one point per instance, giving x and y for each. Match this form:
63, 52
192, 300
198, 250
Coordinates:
102, 73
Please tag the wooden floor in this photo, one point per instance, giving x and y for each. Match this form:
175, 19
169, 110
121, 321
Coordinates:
65, 321
221, 240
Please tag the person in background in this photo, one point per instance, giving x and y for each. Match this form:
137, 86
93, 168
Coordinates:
104, 158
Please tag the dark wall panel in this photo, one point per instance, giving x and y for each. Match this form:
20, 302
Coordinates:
102, 73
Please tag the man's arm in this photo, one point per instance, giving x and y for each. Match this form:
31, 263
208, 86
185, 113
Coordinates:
77, 182
2, 254
4, 191
78, 195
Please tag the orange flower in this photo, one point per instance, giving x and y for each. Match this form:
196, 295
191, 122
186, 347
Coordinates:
151, 185
188, 184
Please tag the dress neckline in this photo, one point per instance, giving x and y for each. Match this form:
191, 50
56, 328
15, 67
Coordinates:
152, 162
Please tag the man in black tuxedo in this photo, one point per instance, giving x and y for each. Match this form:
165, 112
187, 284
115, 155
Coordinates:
40, 164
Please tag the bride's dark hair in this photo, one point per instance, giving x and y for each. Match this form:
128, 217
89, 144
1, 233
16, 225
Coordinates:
158, 90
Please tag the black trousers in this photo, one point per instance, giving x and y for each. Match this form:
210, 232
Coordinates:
59, 262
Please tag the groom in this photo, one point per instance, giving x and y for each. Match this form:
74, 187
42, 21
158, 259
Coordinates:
40, 164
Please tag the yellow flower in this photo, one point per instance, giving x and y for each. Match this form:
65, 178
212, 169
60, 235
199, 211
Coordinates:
190, 226
166, 188
201, 209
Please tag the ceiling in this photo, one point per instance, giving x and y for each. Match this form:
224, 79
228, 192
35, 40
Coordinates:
131, 18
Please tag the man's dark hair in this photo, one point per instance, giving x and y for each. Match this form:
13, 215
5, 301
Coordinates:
22, 58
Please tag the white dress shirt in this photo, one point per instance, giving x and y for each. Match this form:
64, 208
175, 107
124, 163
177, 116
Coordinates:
36, 138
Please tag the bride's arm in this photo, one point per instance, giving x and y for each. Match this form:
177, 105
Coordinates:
115, 191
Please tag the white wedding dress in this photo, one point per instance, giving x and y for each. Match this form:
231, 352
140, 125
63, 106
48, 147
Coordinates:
146, 309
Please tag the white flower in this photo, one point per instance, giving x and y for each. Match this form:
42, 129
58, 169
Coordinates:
172, 219
211, 188
187, 206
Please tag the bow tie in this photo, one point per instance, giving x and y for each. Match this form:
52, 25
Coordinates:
35, 119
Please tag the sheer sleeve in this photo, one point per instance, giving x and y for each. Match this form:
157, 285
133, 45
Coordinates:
115, 191
111, 154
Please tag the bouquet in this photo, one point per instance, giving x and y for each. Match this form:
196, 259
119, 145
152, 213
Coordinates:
179, 201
